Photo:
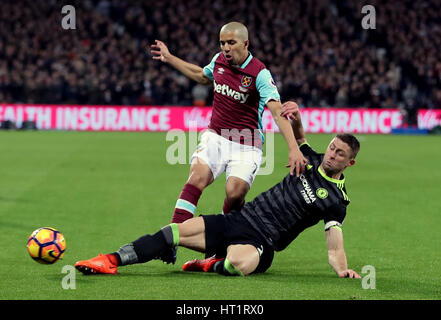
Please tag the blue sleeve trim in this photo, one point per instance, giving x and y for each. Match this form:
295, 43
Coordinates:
266, 87
208, 69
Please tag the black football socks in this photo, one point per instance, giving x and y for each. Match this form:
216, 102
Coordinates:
148, 247
226, 268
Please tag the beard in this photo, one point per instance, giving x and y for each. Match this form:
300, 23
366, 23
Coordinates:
330, 170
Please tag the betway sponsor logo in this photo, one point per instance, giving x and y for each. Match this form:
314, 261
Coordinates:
225, 90
307, 192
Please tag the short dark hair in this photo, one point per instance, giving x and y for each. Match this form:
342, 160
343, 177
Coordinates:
351, 141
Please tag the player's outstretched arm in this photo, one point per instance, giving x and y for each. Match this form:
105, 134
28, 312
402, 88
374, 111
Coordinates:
296, 159
160, 52
291, 111
337, 255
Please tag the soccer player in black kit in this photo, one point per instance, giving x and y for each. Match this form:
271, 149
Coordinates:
248, 238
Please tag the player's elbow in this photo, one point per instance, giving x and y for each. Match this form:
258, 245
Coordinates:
203, 80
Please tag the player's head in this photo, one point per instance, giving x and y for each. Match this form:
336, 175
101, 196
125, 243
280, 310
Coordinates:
340, 154
233, 39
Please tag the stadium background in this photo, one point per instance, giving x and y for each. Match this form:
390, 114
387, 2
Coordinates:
319, 55
317, 51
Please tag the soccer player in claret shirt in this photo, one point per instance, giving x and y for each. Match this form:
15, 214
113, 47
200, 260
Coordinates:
243, 86
248, 238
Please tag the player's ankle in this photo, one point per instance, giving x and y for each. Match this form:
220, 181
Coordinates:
114, 259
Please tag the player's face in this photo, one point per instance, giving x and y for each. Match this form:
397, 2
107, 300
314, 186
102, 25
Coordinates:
337, 157
234, 49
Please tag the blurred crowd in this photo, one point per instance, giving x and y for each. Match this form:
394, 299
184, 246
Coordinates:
317, 51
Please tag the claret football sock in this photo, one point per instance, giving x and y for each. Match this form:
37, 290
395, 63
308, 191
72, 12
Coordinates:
186, 204
225, 207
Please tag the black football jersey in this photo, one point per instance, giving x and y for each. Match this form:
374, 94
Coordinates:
281, 213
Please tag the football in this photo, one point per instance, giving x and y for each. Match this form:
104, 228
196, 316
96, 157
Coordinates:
46, 245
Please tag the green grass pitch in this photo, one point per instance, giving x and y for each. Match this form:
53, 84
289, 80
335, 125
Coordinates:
102, 190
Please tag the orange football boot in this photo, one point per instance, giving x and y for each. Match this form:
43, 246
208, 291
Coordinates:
98, 265
203, 265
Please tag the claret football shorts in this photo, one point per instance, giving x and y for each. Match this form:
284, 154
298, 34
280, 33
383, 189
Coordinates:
222, 155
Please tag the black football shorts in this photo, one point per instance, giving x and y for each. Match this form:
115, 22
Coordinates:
224, 230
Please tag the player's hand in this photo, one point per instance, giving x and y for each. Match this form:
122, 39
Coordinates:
349, 274
160, 51
296, 161
290, 110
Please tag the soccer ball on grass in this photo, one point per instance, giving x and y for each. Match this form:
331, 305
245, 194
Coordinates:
46, 245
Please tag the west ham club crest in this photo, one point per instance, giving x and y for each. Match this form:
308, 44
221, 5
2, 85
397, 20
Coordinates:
246, 81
